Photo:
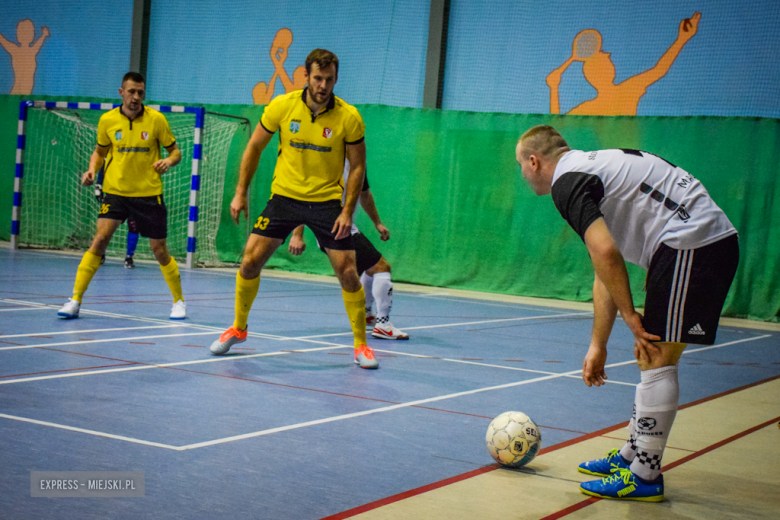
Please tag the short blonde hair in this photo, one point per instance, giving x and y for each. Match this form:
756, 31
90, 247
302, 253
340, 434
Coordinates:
543, 140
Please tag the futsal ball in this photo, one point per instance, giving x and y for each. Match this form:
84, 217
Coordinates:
513, 439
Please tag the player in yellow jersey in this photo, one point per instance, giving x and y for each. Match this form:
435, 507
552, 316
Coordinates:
317, 132
128, 140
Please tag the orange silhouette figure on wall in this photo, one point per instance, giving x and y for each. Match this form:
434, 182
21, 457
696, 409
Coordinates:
23, 56
263, 93
597, 67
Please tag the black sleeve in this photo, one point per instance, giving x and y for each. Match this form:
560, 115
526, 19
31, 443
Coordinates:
577, 197
365, 181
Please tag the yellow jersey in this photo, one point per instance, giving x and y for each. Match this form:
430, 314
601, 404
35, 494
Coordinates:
134, 146
311, 148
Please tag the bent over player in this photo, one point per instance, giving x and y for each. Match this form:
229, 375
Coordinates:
373, 268
317, 131
633, 205
128, 140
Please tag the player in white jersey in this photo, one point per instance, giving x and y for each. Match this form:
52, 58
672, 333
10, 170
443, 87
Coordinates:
635, 206
373, 268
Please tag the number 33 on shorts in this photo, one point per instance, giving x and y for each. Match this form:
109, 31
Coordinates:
261, 223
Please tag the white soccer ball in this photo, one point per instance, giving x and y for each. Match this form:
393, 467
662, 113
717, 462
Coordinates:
513, 439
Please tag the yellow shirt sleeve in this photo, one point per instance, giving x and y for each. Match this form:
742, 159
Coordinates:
272, 115
354, 128
164, 135
102, 133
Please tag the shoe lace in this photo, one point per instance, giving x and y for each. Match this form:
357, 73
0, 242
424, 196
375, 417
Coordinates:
622, 474
366, 351
612, 454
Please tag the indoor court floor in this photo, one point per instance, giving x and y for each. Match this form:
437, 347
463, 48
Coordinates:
287, 427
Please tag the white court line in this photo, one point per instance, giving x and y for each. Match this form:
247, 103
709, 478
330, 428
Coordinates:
416, 403
549, 316
213, 359
111, 340
90, 432
87, 331
315, 422
573, 376
24, 309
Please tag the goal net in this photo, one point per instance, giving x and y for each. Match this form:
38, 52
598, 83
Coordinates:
58, 212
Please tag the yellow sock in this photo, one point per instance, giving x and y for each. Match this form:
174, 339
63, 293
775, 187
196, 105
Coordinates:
355, 303
246, 290
171, 274
87, 269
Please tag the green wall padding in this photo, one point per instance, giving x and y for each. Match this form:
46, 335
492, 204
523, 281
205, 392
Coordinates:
447, 185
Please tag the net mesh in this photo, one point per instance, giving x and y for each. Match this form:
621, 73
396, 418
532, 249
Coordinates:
58, 212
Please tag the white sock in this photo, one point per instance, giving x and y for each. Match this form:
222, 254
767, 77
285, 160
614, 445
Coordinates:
368, 282
383, 292
657, 397
628, 451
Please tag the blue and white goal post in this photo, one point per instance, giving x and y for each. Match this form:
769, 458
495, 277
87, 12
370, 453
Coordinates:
200, 115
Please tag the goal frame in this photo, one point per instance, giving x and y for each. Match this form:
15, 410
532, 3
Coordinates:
197, 152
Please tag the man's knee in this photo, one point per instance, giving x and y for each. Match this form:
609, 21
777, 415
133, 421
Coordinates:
668, 355
160, 251
382, 266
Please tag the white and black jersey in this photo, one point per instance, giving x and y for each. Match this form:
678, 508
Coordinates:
344, 178
645, 201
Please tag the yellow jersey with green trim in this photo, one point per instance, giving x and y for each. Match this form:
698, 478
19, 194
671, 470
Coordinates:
134, 146
311, 148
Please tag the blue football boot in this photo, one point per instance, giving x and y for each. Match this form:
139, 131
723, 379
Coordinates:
624, 485
604, 467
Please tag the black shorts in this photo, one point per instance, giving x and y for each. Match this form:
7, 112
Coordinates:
149, 213
366, 255
686, 290
283, 214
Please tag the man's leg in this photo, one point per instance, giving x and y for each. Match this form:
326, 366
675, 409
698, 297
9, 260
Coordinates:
655, 407
170, 271
344, 267
89, 265
132, 242
382, 291
258, 250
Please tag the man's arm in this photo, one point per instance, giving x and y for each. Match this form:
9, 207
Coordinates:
604, 313
95, 161
254, 149
356, 155
369, 206
174, 158
611, 272
297, 243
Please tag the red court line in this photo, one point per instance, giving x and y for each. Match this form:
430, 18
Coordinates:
575, 507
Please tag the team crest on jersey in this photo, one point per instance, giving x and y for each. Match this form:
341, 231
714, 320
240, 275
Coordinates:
144, 135
326, 133
295, 127
118, 135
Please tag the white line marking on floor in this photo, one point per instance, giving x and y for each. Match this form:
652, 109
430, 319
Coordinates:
366, 412
86, 331
24, 309
90, 432
525, 318
213, 359
111, 340
574, 376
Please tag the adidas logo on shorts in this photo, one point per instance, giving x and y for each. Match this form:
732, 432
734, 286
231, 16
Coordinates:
697, 330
